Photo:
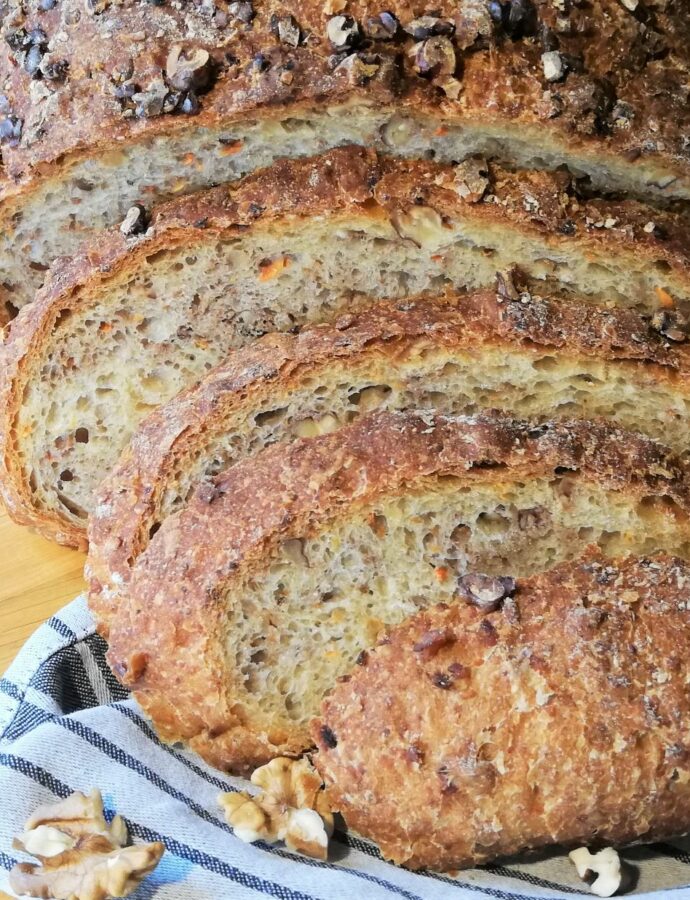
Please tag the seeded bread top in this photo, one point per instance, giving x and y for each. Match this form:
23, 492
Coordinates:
76, 75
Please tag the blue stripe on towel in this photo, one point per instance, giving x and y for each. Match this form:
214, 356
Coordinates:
43, 777
63, 630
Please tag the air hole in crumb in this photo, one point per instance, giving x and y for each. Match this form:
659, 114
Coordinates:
545, 363
458, 538
270, 417
72, 507
493, 523
62, 318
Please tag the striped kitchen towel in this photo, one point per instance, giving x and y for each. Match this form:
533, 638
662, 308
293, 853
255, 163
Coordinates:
66, 724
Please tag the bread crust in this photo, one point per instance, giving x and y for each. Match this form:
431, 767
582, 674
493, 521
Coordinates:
622, 97
168, 641
347, 181
563, 723
128, 501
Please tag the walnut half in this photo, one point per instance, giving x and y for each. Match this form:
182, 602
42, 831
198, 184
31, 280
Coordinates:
291, 807
82, 857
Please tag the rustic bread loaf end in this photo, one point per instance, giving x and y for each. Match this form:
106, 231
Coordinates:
519, 716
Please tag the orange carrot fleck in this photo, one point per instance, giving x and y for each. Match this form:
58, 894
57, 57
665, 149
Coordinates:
271, 268
665, 299
230, 148
441, 573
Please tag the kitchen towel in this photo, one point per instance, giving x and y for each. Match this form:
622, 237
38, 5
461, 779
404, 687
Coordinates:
66, 724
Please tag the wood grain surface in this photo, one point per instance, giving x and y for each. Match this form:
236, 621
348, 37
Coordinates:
36, 579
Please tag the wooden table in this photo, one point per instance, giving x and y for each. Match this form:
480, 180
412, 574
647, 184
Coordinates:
36, 578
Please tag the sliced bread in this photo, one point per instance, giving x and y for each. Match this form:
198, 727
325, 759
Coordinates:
457, 354
250, 603
133, 319
557, 715
106, 104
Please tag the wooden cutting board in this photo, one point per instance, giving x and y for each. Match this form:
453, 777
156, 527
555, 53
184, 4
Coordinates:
36, 578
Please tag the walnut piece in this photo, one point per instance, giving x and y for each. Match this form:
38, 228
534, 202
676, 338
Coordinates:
135, 222
422, 225
485, 591
291, 807
472, 179
82, 857
553, 65
605, 864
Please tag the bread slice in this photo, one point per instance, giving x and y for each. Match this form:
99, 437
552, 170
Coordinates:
130, 321
457, 765
248, 604
531, 356
101, 109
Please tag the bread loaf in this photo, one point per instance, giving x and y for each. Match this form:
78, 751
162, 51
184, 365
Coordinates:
248, 604
131, 320
531, 356
557, 718
108, 104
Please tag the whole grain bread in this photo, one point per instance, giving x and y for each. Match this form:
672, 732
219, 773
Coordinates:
531, 356
250, 602
106, 104
558, 718
133, 319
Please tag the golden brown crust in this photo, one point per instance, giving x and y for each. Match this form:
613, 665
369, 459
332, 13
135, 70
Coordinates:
558, 719
129, 500
339, 183
168, 641
623, 92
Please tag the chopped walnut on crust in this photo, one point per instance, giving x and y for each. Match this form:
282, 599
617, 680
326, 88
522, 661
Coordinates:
82, 857
291, 807
472, 179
